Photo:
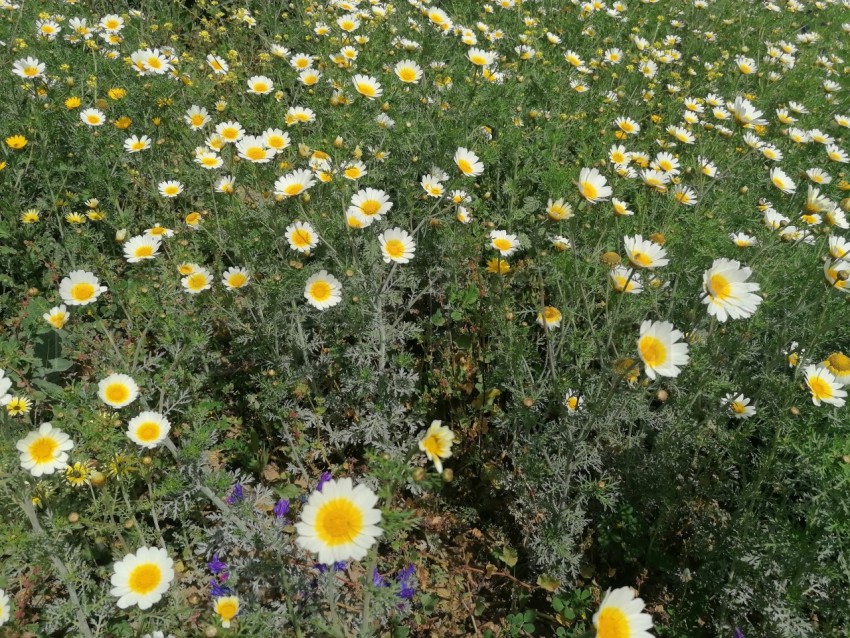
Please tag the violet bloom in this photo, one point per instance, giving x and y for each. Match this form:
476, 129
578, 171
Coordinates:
217, 590
215, 565
281, 508
377, 579
324, 478
739, 633
237, 494
337, 566
407, 580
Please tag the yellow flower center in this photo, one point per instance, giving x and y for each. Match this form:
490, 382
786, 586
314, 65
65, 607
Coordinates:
146, 250
82, 291
838, 363
93, 119
293, 189
395, 248
502, 244
230, 133
407, 74
117, 393
589, 190
57, 320
641, 258
209, 160
366, 89
302, 238
197, 281
820, 388
227, 608
653, 353
572, 403
465, 166
138, 146
738, 407
613, 623
237, 280
433, 445
627, 127
197, 119
148, 431
370, 207
256, 153
170, 190
275, 141
320, 291
354, 222
144, 578
352, 173
154, 63
338, 521
720, 287
551, 314
260, 87
43, 449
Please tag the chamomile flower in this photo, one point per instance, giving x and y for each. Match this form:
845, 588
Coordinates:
506, 244
254, 149
92, 117
780, 179
408, 71
645, 253
468, 162
142, 578
57, 316
198, 281
437, 444
148, 429
838, 365
625, 280
738, 406
397, 246
550, 317
231, 132
260, 85
226, 607
80, 288
621, 615
742, 240
28, 68
302, 237
170, 188
218, 65
323, 290
480, 57
367, 86
276, 140
196, 117
235, 277
340, 522
574, 402
141, 247
294, 183
726, 291
558, 209
593, 186
45, 450
823, 386
117, 390
661, 349
135, 144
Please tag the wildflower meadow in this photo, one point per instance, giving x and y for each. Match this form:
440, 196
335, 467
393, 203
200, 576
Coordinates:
425, 318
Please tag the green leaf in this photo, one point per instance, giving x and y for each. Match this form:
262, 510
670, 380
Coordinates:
509, 556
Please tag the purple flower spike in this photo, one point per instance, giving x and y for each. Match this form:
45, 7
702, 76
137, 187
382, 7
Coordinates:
237, 494
216, 565
407, 579
281, 508
324, 478
377, 579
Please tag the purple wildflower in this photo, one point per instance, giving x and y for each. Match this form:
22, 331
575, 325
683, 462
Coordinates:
324, 478
377, 579
281, 508
237, 494
739, 633
337, 566
218, 590
216, 565
407, 580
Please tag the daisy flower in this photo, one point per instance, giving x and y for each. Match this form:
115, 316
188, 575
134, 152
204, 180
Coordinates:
235, 278
625, 280
367, 86
141, 247
742, 240
196, 117
231, 132
661, 350
780, 179
573, 401
838, 365
340, 522
198, 281
408, 71
18, 406
823, 386
135, 144
217, 64
294, 183
838, 247
5, 384
260, 85
468, 162
480, 57
353, 170
738, 405
645, 253
253, 149
45, 450
117, 390
621, 615
726, 291
4, 607
301, 237
148, 429
437, 444
226, 607
558, 210
28, 68
550, 317
432, 185
371, 202
170, 188
80, 288
397, 245
142, 578
57, 316
92, 117
323, 290
593, 186
506, 244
